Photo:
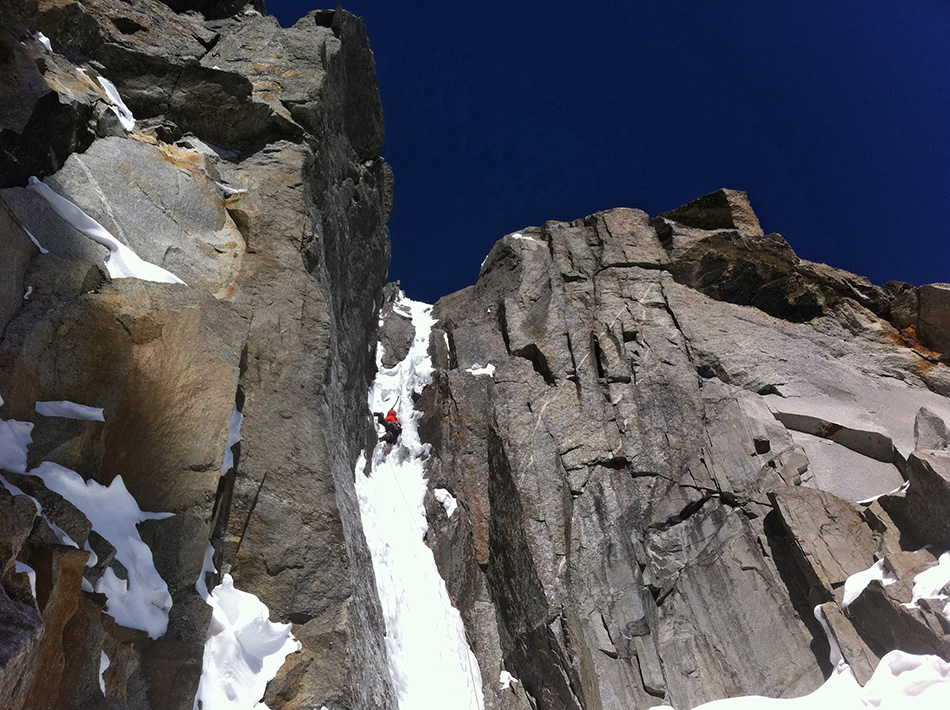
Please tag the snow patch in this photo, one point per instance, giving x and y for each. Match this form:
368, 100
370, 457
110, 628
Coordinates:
43, 40
104, 664
933, 583
118, 107
429, 659
27, 293
243, 652
902, 488
506, 679
207, 567
900, 682
519, 235
234, 436
858, 582
35, 241
70, 410
228, 190
142, 601
479, 371
447, 500
93, 557
122, 262
24, 568
15, 437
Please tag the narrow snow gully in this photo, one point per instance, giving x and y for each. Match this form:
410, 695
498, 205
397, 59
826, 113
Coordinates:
429, 658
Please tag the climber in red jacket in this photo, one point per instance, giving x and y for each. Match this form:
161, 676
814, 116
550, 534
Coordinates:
391, 423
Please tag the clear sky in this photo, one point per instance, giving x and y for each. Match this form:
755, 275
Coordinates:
833, 116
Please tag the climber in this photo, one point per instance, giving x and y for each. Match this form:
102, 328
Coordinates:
391, 423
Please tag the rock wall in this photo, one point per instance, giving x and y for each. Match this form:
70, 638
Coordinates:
253, 173
662, 476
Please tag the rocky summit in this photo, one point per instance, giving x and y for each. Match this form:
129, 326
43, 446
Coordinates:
673, 449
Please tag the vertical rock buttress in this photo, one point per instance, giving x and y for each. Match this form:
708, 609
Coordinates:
253, 173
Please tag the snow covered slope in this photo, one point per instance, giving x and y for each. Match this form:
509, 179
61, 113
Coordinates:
429, 657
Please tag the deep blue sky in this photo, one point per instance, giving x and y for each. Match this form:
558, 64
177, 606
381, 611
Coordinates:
833, 116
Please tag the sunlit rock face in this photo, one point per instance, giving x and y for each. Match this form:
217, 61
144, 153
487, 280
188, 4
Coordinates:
663, 476
250, 169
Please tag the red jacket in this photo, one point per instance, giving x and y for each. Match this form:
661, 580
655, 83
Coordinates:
391, 417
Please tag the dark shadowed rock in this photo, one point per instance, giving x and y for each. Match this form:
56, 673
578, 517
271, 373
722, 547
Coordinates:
723, 209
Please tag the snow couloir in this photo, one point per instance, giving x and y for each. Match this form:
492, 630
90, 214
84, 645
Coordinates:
429, 658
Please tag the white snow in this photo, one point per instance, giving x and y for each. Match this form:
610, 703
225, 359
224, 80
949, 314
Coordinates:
228, 190
901, 682
104, 663
933, 583
93, 557
44, 40
15, 437
243, 652
519, 235
28, 293
234, 436
122, 262
902, 488
506, 679
429, 658
24, 568
858, 582
207, 567
447, 500
70, 410
142, 601
35, 241
479, 371
118, 105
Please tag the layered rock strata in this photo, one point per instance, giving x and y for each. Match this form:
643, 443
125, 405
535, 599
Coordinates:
662, 476
253, 173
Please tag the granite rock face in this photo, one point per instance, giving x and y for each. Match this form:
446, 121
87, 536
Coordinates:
663, 477
253, 173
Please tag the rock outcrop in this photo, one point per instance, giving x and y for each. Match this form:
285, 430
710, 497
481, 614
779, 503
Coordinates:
663, 477
253, 173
